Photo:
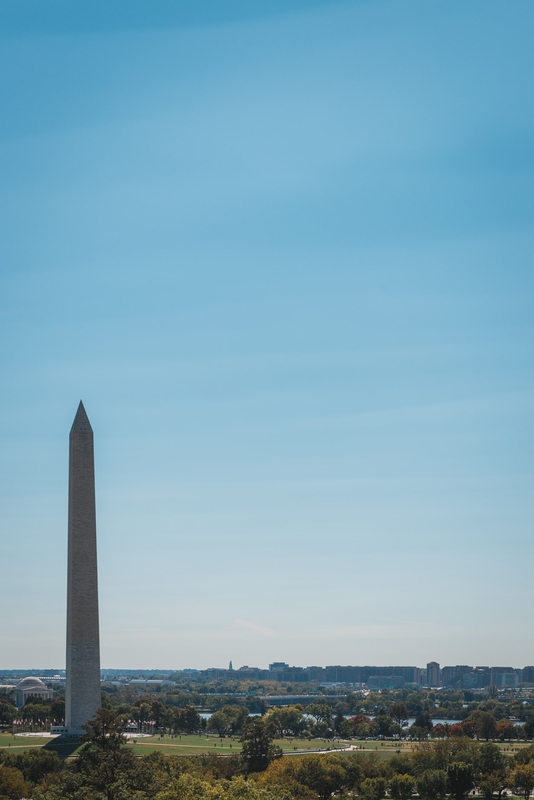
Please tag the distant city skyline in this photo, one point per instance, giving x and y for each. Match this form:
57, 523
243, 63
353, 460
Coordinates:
459, 676
283, 251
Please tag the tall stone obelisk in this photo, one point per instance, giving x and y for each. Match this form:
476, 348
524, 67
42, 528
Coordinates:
83, 643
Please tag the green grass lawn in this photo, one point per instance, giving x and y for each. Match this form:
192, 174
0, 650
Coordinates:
196, 745
20, 743
177, 745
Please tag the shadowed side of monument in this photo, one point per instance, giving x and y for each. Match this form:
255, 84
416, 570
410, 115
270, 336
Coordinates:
83, 696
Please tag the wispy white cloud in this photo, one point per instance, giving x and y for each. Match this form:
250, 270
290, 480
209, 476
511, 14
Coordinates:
393, 629
254, 627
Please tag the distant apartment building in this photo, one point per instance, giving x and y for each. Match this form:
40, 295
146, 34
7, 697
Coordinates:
281, 671
339, 674
463, 676
385, 682
460, 676
317, 674
294, 675
504, 677
411, 675
452, 676
433, 677
476, 678
251, 673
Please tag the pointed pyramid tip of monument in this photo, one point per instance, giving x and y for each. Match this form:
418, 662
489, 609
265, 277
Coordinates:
81, 421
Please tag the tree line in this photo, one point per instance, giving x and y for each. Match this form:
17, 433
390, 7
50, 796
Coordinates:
372, 716
106, 769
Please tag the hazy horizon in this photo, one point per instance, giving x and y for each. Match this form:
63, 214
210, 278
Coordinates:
283, 252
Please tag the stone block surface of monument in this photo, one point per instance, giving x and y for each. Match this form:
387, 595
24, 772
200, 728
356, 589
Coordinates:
83, 696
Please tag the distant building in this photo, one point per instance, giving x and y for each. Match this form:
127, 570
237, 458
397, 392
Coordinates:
294, 675
339, 674
408, 674
31, 687
214, 672
478, 678
462, 676
452, 676
385, 681
527, 675
316, 673
252, 673
504, 677
433, 674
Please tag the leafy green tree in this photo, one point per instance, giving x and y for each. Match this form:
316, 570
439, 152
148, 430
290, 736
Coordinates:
432, 784
522, 780
34, 765
191, 719
353, 771
493, 783
8, 712
484, 722
321, 712
461, 779
373, 788
158, 712
399, 714
57, 709
73, 786
324, 775
288, 720
338, 720
141, 713
526, 755
12, 784
106, 766
191, 787
220, 722
417, 732
321, 729
528, 728
35, 711
489, 758
238, 716
424, 720
401, 787
383, 725
257, 746
104, 730
345, 728
359, 725
229, 719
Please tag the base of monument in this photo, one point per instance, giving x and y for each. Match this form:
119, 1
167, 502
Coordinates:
62, 732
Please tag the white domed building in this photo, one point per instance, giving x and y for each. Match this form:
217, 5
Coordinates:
31, 687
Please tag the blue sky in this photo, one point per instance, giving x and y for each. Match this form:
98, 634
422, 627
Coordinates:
283, 251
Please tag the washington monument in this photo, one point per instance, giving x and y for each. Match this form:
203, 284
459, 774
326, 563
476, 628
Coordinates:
83, 645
